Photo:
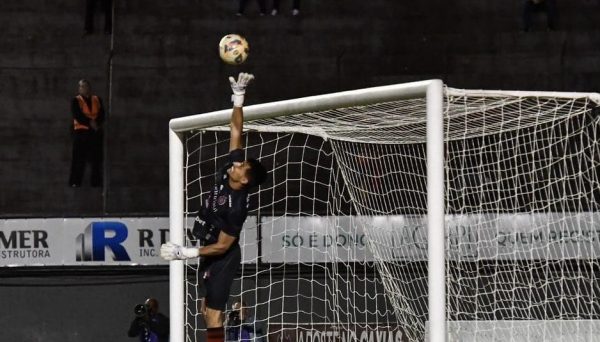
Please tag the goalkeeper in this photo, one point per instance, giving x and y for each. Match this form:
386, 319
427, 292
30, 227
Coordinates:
221, 218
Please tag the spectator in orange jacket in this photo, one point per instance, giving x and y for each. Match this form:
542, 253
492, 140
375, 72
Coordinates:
88, 116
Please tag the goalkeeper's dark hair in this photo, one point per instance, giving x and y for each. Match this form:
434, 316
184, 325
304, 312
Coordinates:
257, 173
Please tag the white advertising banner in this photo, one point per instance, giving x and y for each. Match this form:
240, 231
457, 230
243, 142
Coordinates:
313, 239
468, 237
552, 330
344, 332
136, 241
96, 241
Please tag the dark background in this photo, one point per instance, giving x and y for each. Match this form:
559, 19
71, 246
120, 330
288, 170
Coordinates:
164, 64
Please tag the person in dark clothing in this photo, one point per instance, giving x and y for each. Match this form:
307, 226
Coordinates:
90, 8
150, 325
295, 7
88, 116
261, 4
219, 222
548, 6
242, 325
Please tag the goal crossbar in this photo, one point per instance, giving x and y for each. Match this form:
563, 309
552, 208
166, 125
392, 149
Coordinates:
360, 97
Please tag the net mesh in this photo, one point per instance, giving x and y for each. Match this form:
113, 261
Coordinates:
336, 241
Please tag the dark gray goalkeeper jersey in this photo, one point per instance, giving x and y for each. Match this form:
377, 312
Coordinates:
225, 209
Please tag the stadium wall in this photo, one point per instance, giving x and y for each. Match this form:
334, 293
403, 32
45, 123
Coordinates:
163, 64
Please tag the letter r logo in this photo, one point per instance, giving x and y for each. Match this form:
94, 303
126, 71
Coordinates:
98, 237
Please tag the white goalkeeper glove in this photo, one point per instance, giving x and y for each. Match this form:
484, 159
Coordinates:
171, 251
239, 88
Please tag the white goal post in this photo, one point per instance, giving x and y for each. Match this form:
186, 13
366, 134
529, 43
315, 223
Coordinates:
435, 97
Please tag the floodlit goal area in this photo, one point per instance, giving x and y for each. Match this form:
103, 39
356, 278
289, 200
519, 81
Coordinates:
382, 199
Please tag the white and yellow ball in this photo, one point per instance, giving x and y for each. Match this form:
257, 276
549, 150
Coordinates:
233, 49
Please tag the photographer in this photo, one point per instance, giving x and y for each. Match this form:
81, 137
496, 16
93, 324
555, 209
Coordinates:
149, 324
239, 324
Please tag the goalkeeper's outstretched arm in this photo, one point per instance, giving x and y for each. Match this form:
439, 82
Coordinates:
237, 117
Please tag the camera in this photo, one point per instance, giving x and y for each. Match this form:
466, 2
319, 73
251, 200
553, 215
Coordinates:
140, 310
234, 318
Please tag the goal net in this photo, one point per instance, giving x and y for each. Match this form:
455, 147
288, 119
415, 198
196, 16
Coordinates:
336, 243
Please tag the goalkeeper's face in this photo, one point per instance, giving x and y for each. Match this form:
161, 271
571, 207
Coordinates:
238, 172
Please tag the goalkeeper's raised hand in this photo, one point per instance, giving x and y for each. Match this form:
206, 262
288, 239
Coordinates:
171, 251
239, 88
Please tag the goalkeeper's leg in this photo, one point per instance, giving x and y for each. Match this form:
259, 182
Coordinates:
214, 325
218, 284
213, 319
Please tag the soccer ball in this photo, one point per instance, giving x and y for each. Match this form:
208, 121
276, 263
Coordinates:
233, 49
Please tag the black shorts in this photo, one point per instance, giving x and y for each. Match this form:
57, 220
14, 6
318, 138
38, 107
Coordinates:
219, 277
